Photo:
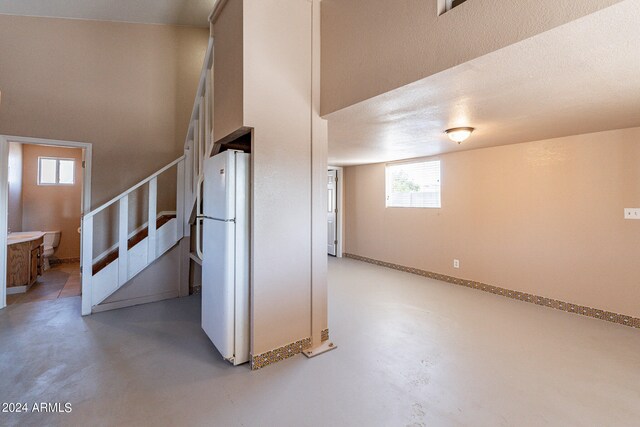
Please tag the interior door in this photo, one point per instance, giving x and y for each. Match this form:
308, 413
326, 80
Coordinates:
332, 211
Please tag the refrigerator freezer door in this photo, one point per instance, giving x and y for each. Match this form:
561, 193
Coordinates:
218, 285
219, 186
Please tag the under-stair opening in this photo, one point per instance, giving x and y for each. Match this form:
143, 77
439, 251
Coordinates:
241, 140
447, 5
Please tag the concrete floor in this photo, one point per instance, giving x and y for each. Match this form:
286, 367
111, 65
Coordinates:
412, 352
60, 281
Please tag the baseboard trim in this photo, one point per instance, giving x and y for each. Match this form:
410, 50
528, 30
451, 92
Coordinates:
134, 301
281, 353
582, 310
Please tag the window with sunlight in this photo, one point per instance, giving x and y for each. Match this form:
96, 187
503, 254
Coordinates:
413, 185
53, 171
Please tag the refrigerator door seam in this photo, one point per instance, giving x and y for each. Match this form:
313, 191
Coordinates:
235, 256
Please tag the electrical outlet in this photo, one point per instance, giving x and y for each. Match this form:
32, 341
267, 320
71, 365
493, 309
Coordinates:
456, 263
631, 213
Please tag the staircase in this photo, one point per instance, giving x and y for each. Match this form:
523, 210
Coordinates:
135, 252
102, 277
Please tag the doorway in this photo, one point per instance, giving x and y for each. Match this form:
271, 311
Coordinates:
45, 188
334, 211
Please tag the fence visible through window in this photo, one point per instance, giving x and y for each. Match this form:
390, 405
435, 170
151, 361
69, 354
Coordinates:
413, 185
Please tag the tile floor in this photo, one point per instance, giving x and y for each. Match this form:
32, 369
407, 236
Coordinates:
61, 281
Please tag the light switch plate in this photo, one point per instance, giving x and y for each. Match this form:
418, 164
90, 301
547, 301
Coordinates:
631, 213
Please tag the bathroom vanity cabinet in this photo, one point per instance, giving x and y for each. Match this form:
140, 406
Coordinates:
23, 263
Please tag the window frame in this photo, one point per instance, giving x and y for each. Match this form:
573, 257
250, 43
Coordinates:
57, 160
388, 185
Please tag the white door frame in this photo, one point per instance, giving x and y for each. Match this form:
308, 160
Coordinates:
4, 193
340, 206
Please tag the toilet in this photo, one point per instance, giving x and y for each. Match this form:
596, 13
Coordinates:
51, 241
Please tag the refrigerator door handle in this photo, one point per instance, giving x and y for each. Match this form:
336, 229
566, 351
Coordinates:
198, 218
199, 238
217, 219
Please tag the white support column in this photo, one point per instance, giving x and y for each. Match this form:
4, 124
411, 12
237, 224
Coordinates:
123, 237
180, 197
201, 131
319, 148
87, 264
192, 166
188, 193
152, 248
211, 98
197, 150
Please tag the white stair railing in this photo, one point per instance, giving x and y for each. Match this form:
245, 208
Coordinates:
199, 143
96, 288
190, 167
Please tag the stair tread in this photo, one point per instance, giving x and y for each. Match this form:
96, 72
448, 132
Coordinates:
134, 240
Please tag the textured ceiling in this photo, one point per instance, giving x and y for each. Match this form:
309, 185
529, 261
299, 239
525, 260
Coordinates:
578, 78
176, 12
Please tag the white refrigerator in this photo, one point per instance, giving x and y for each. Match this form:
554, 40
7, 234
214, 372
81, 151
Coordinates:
225, 254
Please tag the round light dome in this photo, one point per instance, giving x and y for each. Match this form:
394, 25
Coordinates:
459, 135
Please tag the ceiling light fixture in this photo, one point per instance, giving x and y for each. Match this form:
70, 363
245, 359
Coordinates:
459, 135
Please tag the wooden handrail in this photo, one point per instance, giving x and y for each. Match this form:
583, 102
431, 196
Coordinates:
135, 187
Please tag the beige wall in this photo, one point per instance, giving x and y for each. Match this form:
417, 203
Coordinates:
278, 104
228, 69
277, 40
126, 88
50, 208
372, 46
544, 217
319, 197
15, 187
